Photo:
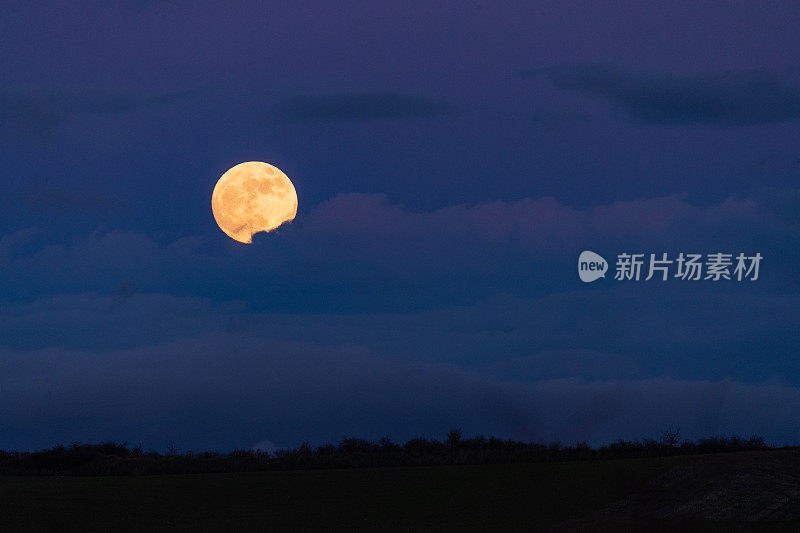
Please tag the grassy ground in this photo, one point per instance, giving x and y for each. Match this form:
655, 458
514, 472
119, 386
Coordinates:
625, 494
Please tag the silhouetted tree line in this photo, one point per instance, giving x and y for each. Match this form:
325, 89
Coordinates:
119, 459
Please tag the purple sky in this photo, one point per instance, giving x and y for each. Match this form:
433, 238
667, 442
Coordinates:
451, 159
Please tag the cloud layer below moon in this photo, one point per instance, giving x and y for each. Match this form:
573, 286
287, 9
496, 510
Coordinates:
119, 328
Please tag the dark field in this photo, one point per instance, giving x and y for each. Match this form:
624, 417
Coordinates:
733, 491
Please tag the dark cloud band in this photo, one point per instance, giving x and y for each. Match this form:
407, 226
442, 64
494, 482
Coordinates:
741, 99
358, 106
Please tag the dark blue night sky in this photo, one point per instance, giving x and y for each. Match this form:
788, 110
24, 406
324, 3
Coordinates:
452, 160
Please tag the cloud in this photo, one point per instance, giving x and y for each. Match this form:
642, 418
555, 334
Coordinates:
228, 391
741, 99
53, 198
363, 253
142, 5
620, 332
496, 238
358, 106
11, 242
622, 362
40, 113
551, 119
542, 224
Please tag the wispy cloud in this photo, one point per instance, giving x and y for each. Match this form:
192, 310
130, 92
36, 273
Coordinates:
739, 99
358, 106
39, 113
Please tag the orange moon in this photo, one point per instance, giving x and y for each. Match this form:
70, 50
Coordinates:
253, 197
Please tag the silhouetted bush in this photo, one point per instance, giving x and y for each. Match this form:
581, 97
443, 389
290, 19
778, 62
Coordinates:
118, 459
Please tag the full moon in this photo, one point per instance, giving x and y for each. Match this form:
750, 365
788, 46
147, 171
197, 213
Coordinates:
253, 197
